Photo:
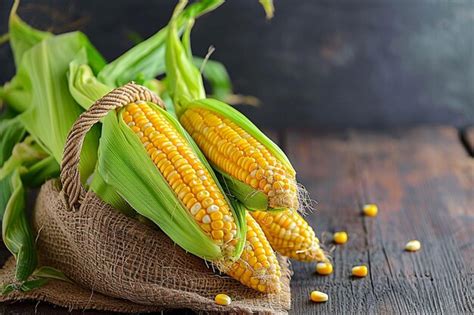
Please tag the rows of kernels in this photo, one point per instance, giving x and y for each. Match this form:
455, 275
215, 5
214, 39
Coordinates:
290, 234
258, 266
183, 171
239, 154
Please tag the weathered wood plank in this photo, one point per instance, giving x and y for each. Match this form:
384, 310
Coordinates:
422, 181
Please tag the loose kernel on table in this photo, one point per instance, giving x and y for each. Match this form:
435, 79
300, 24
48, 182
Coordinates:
223, 299
370, 210
360, 271
340, 237
413, 246
317, 296
324, 268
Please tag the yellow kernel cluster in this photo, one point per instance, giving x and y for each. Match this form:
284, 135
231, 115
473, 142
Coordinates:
370, 210
324, 268
223, 299
258, 266
290, 234
340, 237
413, 246
240, 155
184, 172
318, 296
360, 271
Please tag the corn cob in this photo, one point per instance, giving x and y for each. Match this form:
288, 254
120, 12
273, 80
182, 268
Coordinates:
257, 267
290, 235
167, 180
237, 153
255, 170
183, 171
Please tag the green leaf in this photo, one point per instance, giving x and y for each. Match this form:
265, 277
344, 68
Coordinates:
22, 36
251, 198
40, 172
184, 79
268, 7
16, 230
83, 85
146, 60
47, 272
53, 110
9, 288
33, 284
109, 195
12, 132
216, 74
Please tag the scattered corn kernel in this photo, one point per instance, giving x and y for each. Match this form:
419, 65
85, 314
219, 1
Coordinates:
317, 296
413, 246
370, 210
340, 237
324, 268
222, 299
360, 271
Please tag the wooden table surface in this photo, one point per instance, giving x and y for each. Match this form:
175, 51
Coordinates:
422, 179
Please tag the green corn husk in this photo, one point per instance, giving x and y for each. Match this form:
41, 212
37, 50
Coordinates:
40, 92
16, 231
12, 132
187, 90
268, 7
141, 184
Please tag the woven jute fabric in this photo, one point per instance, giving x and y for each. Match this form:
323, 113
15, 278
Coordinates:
120, 264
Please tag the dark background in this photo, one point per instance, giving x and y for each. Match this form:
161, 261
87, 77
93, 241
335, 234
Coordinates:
318, 64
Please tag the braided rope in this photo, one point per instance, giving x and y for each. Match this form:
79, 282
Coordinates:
72, 190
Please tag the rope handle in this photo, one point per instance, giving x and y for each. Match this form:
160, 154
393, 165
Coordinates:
72, 191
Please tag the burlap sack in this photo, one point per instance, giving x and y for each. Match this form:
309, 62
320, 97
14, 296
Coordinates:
132, 266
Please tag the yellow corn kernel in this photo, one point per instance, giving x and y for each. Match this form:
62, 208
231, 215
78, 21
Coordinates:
223, 299
413, 246
324, 268
259, 262
184, 171
290, 235
239, 154
370, 210
360, 271
318, 296
340, 237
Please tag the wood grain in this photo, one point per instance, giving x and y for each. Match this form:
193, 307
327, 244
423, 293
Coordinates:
422, 181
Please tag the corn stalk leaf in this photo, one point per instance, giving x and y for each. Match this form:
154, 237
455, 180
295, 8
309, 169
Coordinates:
46, 65
12, 132
216, 74
145, 60
40, 172
22, 36
47, 272
268, 7
184, 80
16, 230
84, 87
